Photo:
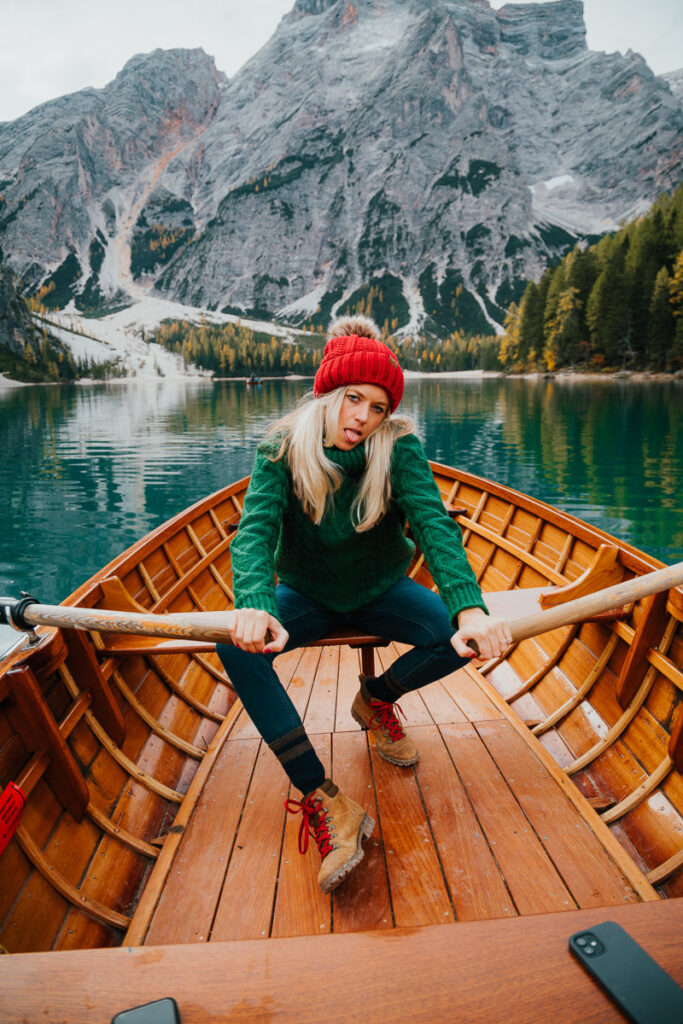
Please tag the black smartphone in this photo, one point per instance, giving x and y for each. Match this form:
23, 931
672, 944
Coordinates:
643, 990
161, 1011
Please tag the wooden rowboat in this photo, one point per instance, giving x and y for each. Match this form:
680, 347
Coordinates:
548, 797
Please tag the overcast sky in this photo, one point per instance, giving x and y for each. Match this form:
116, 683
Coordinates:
52, 47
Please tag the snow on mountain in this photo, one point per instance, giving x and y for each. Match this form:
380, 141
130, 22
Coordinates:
121, 337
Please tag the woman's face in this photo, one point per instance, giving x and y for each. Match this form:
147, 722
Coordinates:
363, 409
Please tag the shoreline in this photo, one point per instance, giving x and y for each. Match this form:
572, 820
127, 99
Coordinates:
560, 376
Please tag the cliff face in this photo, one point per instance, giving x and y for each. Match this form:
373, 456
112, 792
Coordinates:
436, 151
72, 171
16, 327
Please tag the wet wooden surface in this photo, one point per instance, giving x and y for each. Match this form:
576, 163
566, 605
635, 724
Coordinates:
482, 972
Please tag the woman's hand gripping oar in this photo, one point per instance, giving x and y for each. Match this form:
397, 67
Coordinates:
582, 608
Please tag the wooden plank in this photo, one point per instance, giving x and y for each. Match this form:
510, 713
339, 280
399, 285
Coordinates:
472, 701
476, 885
40, 730
320, 713
440, 704
35, 920
608, 840
301, 683
588, 871
486, 972
647, 635
187, 905
184, 682
154, 723
122, 834
362, 902
300, 907
529, 874
66, 888
347, 688
155, 884
245, 907
85, 667
418, 889
411, 704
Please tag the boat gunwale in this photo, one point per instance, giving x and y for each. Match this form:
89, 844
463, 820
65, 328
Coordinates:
636, 559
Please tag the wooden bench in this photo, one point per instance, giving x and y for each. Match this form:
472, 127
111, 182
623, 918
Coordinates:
494, 971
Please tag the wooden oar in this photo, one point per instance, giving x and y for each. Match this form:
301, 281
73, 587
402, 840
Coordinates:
214, 626
601, 601
217, 626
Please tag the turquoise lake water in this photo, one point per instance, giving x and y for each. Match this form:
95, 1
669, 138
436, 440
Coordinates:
88, 470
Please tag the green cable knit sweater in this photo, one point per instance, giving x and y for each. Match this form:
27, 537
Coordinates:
331, 563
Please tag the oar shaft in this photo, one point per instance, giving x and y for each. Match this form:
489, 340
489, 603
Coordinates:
213, 626
601, 601
218, 626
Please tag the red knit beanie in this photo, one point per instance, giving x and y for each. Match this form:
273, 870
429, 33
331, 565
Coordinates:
355, 360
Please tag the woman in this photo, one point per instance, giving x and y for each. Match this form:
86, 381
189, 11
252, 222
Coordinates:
332, 487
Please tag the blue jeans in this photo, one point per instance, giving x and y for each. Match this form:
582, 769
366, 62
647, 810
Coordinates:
407, 613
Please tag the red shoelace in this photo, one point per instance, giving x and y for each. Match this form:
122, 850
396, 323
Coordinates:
384, 717
311, 809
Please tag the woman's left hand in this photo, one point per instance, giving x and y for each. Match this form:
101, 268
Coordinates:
492, 636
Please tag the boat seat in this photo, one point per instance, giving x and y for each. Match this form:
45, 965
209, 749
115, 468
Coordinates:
365, 642
121, 645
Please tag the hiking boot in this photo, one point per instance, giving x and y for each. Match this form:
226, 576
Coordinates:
338, 825
393, 743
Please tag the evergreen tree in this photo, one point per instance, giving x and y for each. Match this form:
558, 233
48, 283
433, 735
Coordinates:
531, 322
558, 284
661, 323
509, 345
581, 273
563, 334
676, 300
607, 316
642, 265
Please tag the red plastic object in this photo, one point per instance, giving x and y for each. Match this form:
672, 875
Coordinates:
12, 803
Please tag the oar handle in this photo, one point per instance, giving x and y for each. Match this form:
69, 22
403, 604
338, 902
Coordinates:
212, 626
601, 601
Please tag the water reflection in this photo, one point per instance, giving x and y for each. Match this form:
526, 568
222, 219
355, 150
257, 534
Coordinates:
86, 471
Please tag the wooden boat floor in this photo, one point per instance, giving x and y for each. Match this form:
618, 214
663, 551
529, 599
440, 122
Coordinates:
480, 828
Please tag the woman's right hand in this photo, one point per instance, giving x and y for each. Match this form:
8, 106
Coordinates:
252, 628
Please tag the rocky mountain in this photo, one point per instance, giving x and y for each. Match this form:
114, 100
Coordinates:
27, 352
421, 156
17, 331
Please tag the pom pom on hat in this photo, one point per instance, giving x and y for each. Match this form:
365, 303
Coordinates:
354, 359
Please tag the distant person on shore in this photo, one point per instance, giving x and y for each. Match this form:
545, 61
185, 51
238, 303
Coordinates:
332, 487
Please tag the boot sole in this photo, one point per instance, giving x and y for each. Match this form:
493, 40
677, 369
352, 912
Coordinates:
365, 830
391, 760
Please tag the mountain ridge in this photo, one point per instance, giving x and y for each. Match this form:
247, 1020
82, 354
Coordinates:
376, 145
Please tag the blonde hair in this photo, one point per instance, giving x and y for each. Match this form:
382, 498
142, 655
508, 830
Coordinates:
311, 427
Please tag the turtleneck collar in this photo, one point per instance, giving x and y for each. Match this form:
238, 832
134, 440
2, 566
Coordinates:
352, 461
